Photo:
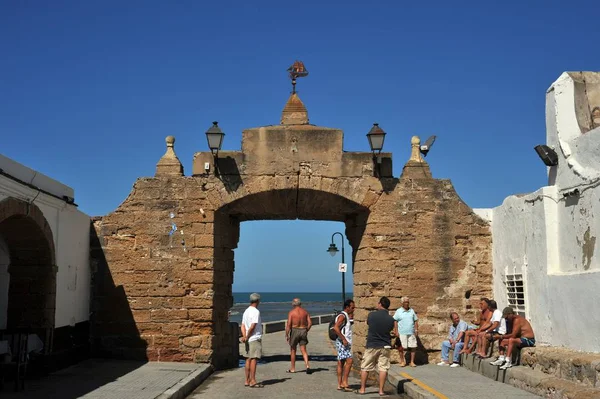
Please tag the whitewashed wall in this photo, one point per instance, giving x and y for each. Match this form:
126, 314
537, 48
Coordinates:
70, 230
552, 239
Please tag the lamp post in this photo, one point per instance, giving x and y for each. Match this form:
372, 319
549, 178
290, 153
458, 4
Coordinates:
332, 251
215, 136
376, 138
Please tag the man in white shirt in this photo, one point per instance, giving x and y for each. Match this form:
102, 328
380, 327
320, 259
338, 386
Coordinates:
490, 328
252, 337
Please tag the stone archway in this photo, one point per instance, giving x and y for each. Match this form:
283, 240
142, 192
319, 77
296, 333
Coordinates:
283, 204
170, 243
29, 243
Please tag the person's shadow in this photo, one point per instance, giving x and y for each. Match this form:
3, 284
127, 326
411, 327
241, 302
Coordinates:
312, 371
274, 381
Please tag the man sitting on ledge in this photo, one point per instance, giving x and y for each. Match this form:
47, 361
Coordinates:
521, 336
454, 341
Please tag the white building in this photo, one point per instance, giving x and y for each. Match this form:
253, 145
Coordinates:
44, 258
545, 246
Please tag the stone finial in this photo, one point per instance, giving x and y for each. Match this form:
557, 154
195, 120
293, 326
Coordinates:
169, 164
416, 167
294, 112
415, 153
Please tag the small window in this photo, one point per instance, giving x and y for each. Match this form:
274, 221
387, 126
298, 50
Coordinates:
515, 291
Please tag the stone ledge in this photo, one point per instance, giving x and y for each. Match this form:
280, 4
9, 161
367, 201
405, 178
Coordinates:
528, 379
580, 367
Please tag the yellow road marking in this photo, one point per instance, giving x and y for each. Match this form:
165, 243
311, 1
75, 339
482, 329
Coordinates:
405, 375
424, 386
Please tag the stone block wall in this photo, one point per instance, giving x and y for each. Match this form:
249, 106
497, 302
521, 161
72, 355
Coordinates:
166, 296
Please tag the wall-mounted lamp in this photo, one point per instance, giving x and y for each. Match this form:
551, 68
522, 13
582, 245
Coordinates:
546, 154
215, 136
376, 138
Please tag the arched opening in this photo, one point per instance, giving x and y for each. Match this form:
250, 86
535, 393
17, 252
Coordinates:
27, 270
303, 204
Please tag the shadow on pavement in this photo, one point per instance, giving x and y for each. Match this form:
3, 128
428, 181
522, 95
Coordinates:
313, 370
73, 382
274, 381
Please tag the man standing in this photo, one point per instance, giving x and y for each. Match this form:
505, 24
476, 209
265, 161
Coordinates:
378, 345
408, 330
296, 333
454, 341
252, 337
343, 344
522, 336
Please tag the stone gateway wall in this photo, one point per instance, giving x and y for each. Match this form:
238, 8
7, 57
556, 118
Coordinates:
164, 259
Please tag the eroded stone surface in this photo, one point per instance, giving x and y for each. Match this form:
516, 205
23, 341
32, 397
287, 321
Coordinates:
164, 259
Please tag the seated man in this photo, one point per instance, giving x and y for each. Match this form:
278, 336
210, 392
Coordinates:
484, 317
454, 341
521, 336
504, 329
490, 328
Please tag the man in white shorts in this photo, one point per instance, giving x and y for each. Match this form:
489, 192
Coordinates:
408, 331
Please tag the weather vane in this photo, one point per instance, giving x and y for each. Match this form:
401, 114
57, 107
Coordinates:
297, 70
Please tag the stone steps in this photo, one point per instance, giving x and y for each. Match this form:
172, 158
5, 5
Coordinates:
532, 380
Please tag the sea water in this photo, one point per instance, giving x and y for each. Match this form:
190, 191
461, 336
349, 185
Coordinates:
276, 305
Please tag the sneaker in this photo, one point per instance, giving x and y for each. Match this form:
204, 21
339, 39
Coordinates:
498, 362
508, 364
455, 365
443, 363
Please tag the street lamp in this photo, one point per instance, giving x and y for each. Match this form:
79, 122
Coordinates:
332, 251
215, 136
376, 138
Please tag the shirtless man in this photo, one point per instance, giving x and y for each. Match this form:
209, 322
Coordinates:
522, 336
488, 330
296, 331
484, 317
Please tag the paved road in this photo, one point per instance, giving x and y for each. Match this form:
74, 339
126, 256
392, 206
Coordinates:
272, 373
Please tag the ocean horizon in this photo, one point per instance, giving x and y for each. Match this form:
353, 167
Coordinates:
275, 306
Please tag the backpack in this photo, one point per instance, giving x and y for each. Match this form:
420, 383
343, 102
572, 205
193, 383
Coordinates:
332, 335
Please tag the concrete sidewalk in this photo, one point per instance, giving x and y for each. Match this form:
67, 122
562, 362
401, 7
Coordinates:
101, 378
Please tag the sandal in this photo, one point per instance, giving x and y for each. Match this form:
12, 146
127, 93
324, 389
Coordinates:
256, 386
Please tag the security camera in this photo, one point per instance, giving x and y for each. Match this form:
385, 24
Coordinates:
546, 154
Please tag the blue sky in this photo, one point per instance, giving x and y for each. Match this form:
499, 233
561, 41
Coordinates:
88, 91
